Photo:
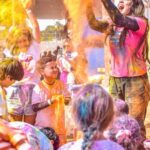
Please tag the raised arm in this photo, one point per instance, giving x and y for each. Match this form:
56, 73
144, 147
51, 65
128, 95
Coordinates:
95, 24
35, 25
27, 4
119, 19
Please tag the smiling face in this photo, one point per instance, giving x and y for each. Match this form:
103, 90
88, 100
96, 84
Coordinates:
23, 42
124, 6
50, 71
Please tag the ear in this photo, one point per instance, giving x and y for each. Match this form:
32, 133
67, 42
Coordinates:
41, 71
8, 77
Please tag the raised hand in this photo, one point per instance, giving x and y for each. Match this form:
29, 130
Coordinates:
27, 4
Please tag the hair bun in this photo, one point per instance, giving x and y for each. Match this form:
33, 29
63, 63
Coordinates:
123, 132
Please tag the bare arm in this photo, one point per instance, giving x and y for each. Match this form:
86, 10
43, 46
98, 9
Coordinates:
27, 5
35, 25
95, 24
119, 19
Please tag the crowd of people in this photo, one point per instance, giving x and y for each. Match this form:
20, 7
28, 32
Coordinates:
35, 88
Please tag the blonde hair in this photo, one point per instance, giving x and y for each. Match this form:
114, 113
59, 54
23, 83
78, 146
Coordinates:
14, 33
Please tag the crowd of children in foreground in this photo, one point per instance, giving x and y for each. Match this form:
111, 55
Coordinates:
103, 123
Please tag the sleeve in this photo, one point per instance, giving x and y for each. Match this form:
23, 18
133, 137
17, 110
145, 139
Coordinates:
142, 23
34, 50
119, 19
7, 53
36, 95
98, 25
38, 106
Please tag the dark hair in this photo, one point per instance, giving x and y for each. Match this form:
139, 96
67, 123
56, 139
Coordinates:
93, 111
12, 67
45, 57
51, 134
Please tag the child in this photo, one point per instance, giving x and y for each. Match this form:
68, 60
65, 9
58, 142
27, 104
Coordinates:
93, 112
50, 113
11, 70
52, 136
65, 64
24, 46
125, 130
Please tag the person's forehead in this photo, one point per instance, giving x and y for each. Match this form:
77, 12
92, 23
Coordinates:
22, 37
117, 1
49, 64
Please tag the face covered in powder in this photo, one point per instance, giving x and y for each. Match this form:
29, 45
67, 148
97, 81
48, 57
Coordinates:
124, 6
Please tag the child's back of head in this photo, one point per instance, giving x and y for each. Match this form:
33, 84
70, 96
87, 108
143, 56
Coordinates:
93, 111
125, 130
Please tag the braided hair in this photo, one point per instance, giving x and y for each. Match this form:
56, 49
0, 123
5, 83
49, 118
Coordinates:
89, 135
93, 111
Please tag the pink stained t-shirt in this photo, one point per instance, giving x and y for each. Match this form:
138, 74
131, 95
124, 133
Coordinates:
127, 61
54, 115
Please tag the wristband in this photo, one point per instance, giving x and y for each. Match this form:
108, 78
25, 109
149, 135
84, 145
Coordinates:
49, 102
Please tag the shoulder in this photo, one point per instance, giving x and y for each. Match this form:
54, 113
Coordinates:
72, 146
140, 20
34, 43
7, 53
34, 50
143, 24
107, 144
37, 87
36, 95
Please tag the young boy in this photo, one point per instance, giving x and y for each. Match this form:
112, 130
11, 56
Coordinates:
11, 70
50, 113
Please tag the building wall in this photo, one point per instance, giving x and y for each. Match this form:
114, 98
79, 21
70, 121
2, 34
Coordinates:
49, 9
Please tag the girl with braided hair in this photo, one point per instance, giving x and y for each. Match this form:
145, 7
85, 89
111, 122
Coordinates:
93, 111
126, 35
